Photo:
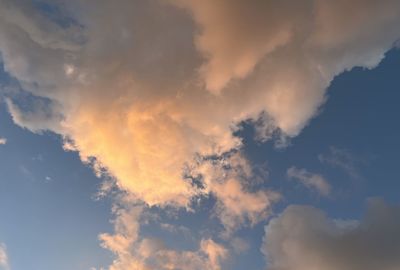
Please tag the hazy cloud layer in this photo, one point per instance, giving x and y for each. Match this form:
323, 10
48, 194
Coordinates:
303, 238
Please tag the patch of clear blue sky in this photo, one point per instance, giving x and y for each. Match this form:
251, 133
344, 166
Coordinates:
48, 218
53, 224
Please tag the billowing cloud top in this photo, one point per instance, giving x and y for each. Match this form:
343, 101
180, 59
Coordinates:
150, 92
144, 86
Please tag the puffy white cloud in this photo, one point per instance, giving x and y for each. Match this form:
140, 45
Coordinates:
310, 180
304, 238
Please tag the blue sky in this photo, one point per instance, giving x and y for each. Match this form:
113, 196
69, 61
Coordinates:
46, 203
107, 122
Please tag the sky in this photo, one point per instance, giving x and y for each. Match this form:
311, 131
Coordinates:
195, 134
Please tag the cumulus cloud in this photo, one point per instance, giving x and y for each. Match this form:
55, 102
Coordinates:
3, 140
134, 101
303, 237
232, 46
311, 180
142, 89
4, 265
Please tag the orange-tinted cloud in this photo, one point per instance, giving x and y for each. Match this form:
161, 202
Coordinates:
135, 252
130, 96
142, 89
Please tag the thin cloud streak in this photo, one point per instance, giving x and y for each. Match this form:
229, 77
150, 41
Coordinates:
310, 180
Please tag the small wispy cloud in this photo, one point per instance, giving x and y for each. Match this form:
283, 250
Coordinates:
342, 159
177, 229
27, 173
3, 140
310, 180
4, 264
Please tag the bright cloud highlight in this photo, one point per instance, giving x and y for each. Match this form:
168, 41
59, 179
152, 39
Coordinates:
150, 94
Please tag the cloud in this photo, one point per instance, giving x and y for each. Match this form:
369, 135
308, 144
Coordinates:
342, 159
239, 202
3, 141
239, 245
4, 264
303, 237
142, 90
310, 180
215, 252
40, 117
234, 47
177, 229
135, 252
131, 100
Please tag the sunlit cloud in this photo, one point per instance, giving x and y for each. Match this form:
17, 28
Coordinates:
137, 111
136, 252
151, 93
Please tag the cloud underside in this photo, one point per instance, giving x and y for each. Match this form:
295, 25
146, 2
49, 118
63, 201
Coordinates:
150, 92
144, 102
304, 238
